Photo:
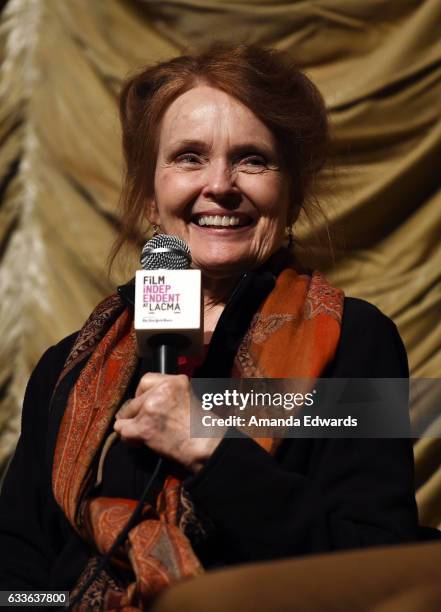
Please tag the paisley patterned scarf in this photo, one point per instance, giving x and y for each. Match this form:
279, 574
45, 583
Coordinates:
294, 334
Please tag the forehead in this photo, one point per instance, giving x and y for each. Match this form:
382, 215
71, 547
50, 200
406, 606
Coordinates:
204, 111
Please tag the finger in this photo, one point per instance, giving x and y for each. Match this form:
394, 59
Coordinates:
128, 429
154, 379
129, 409
148, 381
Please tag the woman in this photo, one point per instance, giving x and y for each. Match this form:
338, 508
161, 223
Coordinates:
222, 149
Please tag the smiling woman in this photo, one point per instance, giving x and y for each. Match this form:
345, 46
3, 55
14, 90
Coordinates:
221, 149
223, 191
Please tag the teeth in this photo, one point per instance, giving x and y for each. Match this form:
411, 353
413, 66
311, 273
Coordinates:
217, 220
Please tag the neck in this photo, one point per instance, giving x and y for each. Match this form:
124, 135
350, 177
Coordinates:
216, 293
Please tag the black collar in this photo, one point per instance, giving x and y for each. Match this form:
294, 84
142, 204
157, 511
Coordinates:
127, 292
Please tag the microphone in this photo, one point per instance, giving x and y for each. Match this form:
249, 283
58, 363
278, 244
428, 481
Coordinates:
168, 304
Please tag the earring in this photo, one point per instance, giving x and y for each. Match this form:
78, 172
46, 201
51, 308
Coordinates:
289, 234
156, 229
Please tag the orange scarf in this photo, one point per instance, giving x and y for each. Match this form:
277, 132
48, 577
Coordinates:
294, 334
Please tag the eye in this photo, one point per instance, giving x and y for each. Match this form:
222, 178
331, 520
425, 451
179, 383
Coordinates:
189, 158
253, 162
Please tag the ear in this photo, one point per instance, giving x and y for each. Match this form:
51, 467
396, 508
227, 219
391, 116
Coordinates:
152, 212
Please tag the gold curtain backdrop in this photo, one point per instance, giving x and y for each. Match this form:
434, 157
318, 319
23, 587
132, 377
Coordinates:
378, 65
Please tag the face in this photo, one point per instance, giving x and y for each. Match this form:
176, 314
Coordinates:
218, 183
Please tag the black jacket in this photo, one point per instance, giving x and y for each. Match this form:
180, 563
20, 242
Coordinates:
315, 495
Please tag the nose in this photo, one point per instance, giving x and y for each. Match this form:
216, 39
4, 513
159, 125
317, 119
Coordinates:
220, 183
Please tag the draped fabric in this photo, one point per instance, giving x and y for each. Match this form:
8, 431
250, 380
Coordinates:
378, 65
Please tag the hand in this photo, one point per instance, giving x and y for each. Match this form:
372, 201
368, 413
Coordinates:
159, 416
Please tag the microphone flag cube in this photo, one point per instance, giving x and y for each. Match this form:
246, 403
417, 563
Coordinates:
169, 302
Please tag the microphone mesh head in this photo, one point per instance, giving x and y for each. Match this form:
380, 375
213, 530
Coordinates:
167, 252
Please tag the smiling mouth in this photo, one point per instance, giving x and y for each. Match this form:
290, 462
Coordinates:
222, 221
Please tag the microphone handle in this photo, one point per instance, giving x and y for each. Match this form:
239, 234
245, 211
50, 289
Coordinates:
165, 359
166, 349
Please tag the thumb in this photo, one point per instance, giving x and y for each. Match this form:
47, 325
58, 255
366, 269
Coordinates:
128, 409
